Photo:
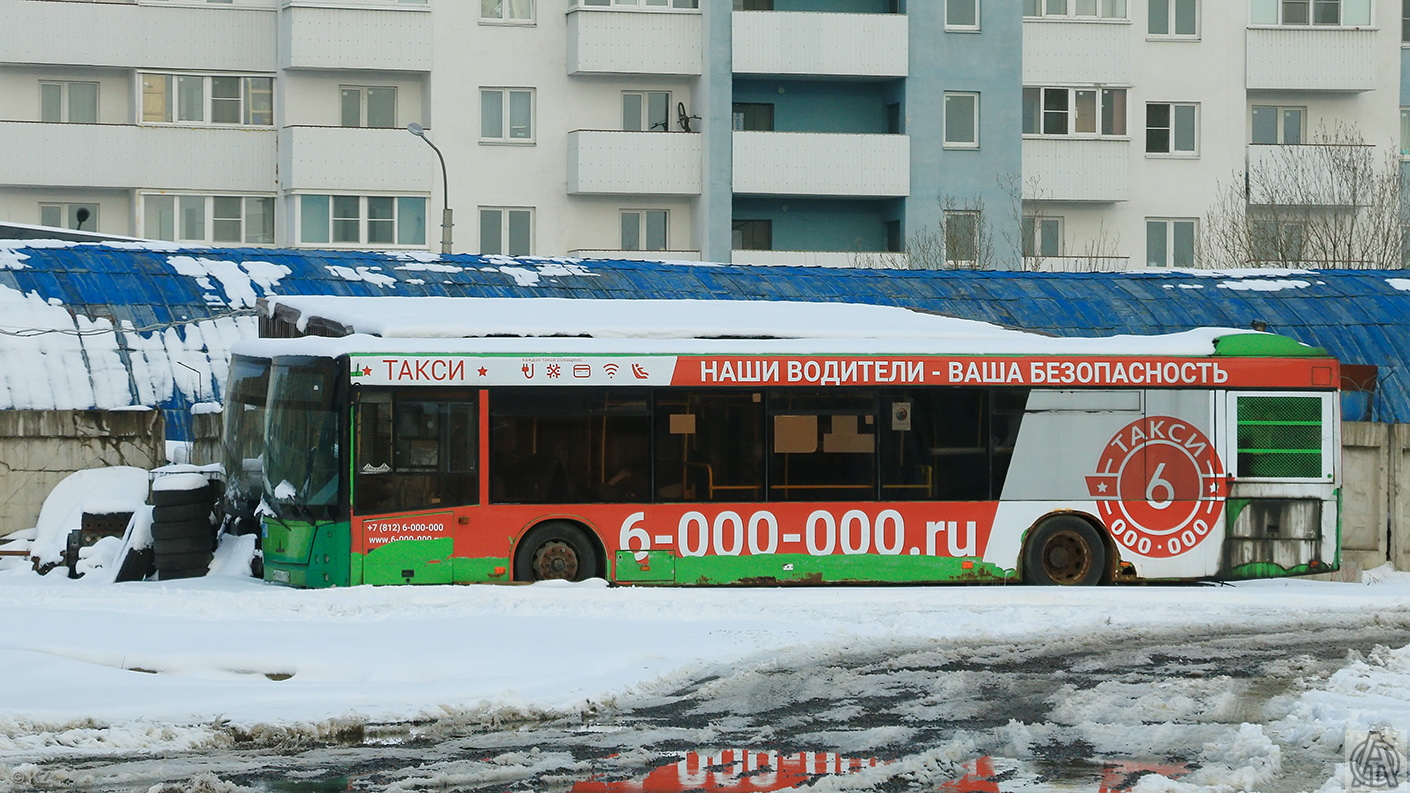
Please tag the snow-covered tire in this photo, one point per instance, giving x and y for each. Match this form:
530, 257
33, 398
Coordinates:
169, 498
174, 513
183, 561
181, 545
136, 565
181, 530
189, 572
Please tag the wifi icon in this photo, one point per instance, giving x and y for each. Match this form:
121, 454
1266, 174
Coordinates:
611, 369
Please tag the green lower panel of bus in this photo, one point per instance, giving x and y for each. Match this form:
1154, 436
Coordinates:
664, 567
298, 553
1270, 570
425, 562
409, 562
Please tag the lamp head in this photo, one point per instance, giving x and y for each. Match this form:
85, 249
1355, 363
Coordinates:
416, 129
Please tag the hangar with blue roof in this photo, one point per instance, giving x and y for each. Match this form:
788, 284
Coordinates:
121, 324
151, 324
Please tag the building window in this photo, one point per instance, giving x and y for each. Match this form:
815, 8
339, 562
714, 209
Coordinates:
753, 116
514, 12
753, 5
197, 99
1074, 111
1170, 242
644, 230
205, 219
752, 235
362, 220
1278, 124
1042, 236
1405, 129
1405, 20
1276, 241
68, 103
961, 238
1321, 13
961, 121
79, 217
962, 14
369, 106
1075, 9
506, 230
1171, 128
507, 114
1174, 19
648, 111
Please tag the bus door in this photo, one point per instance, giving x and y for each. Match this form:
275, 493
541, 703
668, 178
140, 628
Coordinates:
1281, 449
414, 471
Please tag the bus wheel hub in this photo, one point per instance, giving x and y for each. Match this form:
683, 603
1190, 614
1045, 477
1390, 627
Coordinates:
1066, 557
556, 560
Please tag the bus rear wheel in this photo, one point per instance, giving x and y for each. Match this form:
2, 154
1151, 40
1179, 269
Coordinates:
555, 551
1064, 551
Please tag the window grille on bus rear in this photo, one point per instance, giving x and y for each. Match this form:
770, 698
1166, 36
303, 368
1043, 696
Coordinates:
1280, 437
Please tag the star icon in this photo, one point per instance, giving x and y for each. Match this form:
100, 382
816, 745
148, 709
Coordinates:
1101, 488
366, 371
484, 371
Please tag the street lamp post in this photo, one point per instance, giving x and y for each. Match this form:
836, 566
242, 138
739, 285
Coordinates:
446, 221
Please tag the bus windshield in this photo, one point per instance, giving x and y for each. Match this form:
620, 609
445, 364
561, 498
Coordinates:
302, 448
242, 444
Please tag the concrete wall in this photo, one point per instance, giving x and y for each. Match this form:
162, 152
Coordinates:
1375, 526
39, 448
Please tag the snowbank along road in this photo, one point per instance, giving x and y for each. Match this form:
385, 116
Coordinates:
1242, 707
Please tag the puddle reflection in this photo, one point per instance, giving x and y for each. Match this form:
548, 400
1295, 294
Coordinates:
743, 771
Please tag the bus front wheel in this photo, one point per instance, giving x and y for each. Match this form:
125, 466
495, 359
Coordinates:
555, 551
1064, 551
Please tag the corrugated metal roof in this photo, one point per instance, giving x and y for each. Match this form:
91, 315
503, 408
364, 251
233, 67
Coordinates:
1358, 315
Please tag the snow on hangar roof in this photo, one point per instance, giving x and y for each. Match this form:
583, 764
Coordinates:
78, 294
689, 325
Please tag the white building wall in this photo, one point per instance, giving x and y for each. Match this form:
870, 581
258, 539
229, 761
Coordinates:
1211, 72
313, 97
19, 90
536, 175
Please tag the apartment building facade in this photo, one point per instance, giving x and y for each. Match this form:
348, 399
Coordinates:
1052, 134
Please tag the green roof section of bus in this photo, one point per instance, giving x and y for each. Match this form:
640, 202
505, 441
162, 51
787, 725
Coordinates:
1265, 345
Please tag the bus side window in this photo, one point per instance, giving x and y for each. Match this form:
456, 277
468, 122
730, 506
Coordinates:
935, 445
562, 445
709, 446
824, 446
414, 453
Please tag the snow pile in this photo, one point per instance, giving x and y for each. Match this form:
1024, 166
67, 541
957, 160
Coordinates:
97, 491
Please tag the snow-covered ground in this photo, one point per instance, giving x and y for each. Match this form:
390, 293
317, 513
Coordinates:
100, 668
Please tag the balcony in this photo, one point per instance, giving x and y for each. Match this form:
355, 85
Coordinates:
1312, 175
612, 41
1077, 169
152, 37
1311, 59
351, 158
125, 156
865, 260
1076, 264
822, 164
633, 163
1068, 51
389, 37
826, 44
636, 256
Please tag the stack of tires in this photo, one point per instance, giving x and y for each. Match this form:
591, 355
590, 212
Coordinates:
183, 536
